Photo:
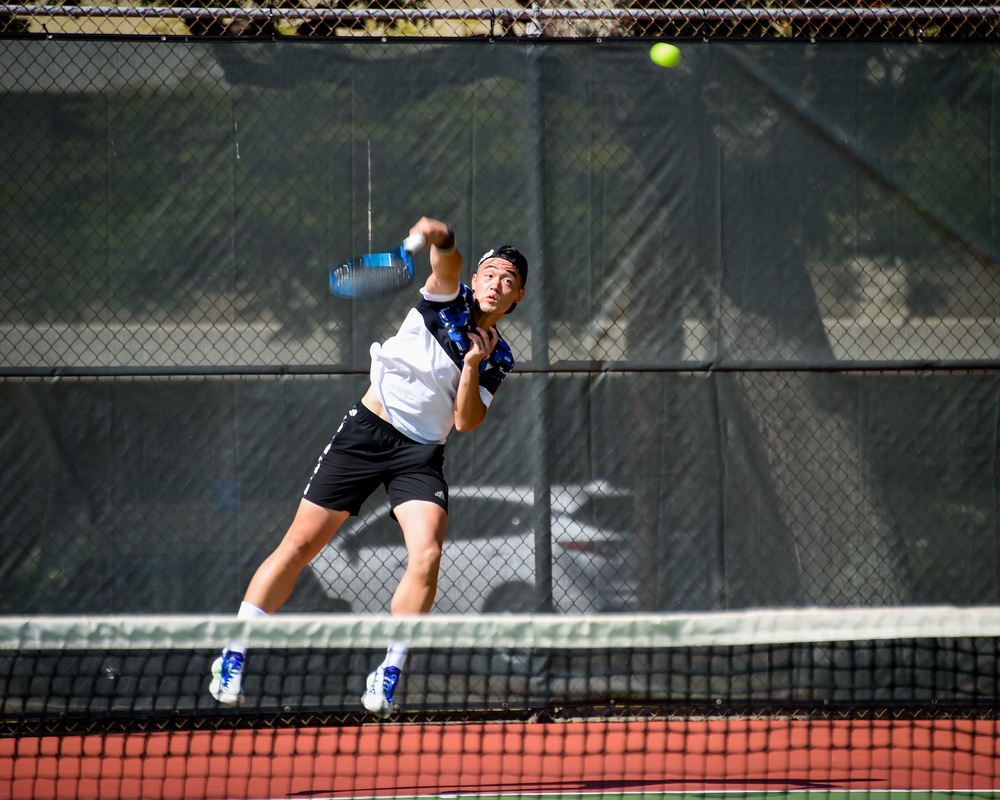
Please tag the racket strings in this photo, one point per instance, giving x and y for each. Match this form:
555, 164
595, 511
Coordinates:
372, 275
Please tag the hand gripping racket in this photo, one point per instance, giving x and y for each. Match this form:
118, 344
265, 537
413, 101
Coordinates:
375, 274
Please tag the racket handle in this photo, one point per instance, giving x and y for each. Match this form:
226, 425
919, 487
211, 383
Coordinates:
411, 244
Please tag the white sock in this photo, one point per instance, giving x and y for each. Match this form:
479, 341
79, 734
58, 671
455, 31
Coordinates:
395, 656
247, 611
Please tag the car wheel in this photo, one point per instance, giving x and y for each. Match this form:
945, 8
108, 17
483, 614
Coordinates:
510, 598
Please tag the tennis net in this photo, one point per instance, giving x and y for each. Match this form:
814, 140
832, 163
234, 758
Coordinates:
760, 701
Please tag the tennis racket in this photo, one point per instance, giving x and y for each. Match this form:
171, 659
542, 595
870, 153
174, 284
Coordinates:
376, 274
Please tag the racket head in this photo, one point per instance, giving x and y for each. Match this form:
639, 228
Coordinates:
372, 275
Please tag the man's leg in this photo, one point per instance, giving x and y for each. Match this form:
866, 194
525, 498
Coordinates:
312, 527
423, 525
310, 531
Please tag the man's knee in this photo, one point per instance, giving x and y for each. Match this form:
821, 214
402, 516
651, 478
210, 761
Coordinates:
425, 559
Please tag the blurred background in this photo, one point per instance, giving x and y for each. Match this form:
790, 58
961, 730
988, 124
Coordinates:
757, 364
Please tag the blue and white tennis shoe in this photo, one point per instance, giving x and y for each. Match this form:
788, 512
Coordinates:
227, 678
379, 698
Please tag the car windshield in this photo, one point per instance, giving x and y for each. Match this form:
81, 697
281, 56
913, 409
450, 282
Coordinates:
608, 513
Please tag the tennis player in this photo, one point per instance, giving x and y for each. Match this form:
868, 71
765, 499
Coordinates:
439, 371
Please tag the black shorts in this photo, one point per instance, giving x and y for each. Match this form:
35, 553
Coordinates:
367, 451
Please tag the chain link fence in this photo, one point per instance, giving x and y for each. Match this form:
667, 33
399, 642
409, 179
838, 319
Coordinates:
535, 19
757, 362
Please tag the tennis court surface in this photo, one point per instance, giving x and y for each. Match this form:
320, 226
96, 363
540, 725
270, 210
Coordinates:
822, 703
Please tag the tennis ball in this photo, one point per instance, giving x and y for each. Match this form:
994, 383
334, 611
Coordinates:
664, 54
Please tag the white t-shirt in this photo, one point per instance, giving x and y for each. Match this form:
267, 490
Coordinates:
416, 372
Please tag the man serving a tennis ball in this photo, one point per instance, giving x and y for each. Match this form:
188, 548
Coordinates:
439, 371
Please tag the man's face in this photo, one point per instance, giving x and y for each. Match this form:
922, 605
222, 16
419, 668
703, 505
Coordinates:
496, 286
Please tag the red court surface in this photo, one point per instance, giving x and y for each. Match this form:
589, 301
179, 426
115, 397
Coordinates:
610, 757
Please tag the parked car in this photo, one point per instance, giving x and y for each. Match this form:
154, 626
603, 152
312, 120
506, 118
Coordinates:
488, 561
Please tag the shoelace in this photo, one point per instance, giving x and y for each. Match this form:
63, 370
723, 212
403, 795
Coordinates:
232, 666
389, 680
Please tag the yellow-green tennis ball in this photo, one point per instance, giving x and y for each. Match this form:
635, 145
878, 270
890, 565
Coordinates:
664, 54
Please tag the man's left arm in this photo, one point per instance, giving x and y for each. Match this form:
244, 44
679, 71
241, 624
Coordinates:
470, 410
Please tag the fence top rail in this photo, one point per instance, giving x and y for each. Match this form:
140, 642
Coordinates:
515, 14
